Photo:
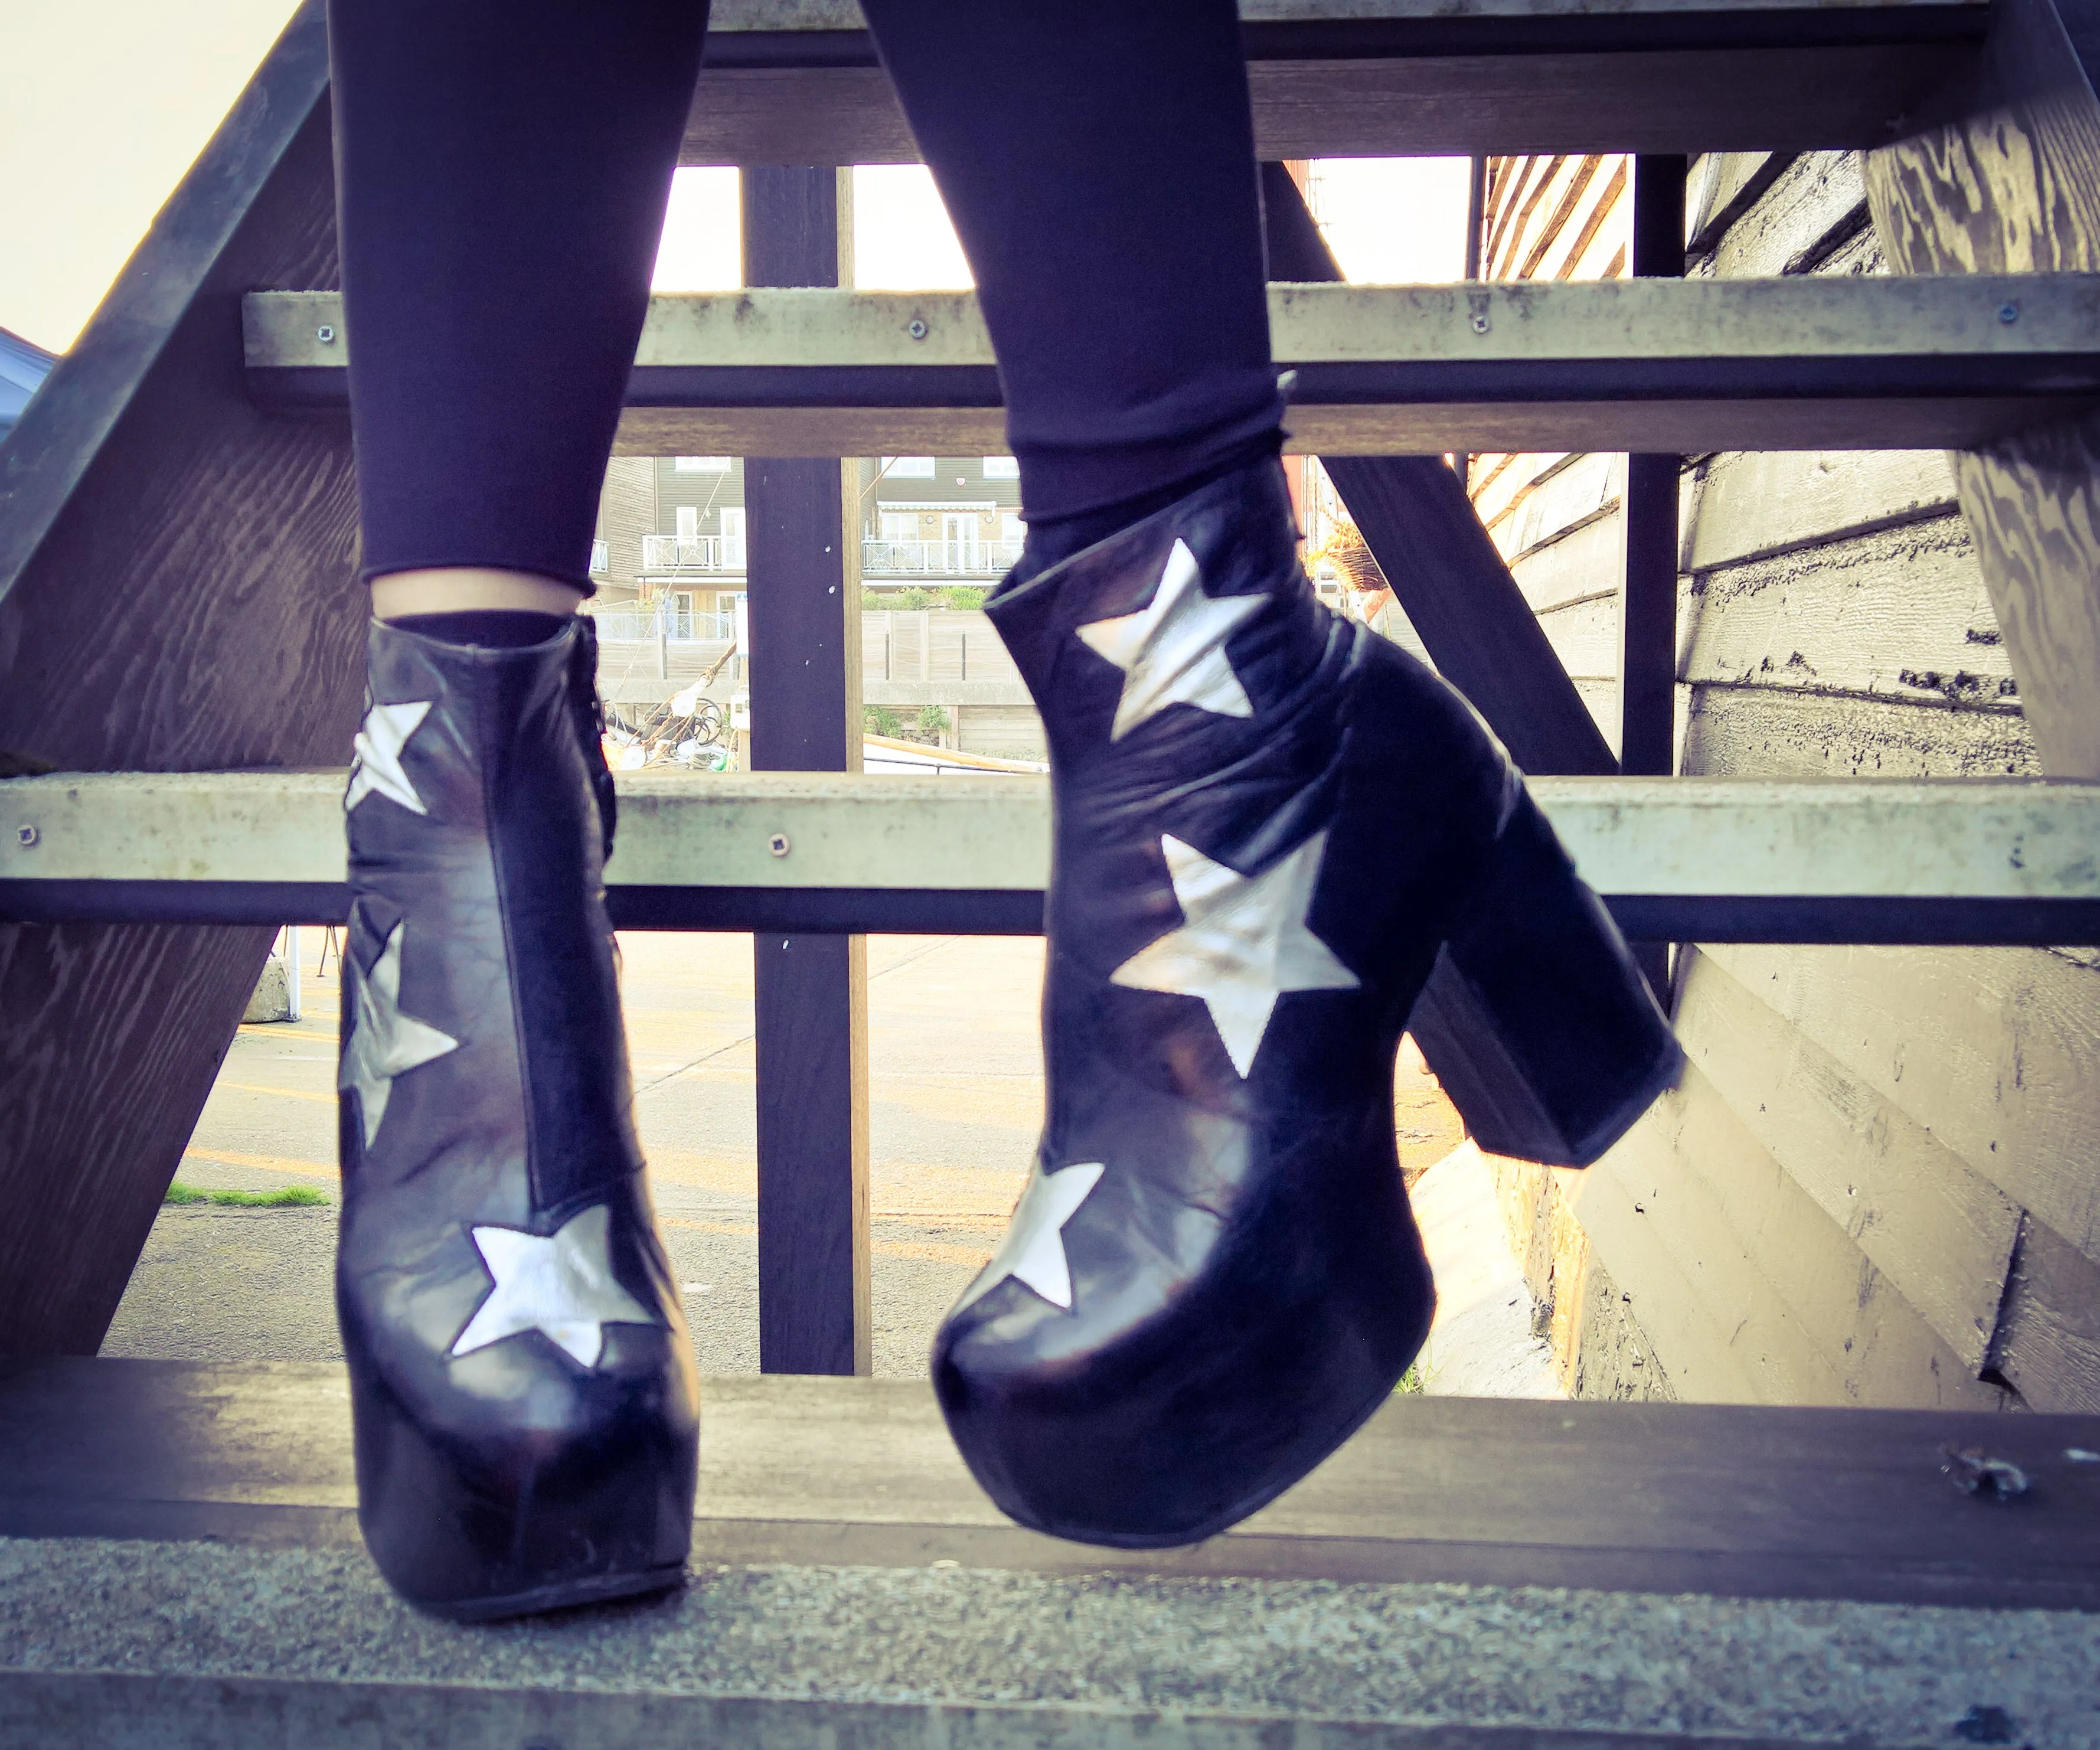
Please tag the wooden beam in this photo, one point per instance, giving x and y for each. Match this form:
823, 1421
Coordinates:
811, 988
2012, 184
176, 592
1648, 599
1713, 859
787, 82
1657, 1497
1443, 566
1638, 364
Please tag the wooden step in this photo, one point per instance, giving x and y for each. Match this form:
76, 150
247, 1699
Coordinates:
179, 1562
795, 82
1683, 366
1676, 859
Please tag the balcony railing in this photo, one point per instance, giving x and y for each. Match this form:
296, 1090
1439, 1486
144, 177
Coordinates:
699, 552
938, 558
664, 620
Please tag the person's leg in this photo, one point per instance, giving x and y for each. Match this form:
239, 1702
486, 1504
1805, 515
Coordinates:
1272, 824
504, 166
522, 1384
1097, 158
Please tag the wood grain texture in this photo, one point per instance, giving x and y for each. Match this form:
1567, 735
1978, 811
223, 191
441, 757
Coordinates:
1995, 1052
1900, 614
1815, 194
1763, 732
175, 593
1697, 1498
2013, 184
811, 990
1760, 504
1773, 1302
1940, 1232
1634, 100
2048, 1344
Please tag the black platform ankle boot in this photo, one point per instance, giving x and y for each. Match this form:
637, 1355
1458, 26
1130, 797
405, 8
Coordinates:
526, 1402
1268, 823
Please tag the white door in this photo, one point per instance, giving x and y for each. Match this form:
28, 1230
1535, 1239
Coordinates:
732, 553
959, 539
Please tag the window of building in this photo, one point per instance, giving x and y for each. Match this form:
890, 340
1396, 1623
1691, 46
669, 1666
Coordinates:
900, 524
699, 464
732, 526
1001, 468
908, 467
689, 522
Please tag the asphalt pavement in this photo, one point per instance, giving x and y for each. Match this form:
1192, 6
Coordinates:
956, 1097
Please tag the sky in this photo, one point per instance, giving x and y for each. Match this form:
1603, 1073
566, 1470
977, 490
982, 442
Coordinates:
109, 100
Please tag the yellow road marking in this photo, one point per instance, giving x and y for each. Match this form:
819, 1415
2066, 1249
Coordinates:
268, 1163
288, 1093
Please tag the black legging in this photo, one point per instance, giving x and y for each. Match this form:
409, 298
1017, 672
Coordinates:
504, 166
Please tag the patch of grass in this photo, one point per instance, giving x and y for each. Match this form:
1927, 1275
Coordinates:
1410, 1384
287, 1198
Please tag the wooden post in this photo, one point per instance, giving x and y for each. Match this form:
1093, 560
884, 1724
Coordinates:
177, 591
1648, 600
2012, 185
803, 612
1415, 516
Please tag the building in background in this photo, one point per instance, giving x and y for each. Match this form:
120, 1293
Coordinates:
24, 365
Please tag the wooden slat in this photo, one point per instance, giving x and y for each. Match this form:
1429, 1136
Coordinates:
810, 989
1663, 1497
787, 83
1683, 366
176, 590
1693, 859
2014, 184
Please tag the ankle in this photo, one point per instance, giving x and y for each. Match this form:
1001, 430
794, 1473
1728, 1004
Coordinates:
470, 590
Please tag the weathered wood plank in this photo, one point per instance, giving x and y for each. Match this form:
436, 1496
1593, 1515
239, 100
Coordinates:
1810, 1319
1901, 614
811, 990
1758, 505
2014, 183
1675, 1498
176, 592
1816, 194
1415, 105
1939, 1232
1766, 732
2048, 1344
1579, 565
1995, 1052
1678, 366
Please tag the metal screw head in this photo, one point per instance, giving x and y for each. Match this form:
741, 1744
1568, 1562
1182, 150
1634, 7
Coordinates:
325, 335
1481, 322
25, 836
916, 328
2009, 313
779, 844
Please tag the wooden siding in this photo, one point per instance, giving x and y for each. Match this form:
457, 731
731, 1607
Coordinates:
1877, 1184
626, 512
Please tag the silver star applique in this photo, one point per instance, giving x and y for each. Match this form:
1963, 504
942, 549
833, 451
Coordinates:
1173, 651
1242, 943
1034, 1248
562, 1287
384, 1043
377, 765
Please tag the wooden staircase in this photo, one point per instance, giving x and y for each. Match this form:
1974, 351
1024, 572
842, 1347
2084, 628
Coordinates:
180, 636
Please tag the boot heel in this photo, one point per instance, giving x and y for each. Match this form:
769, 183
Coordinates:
1536, 1019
